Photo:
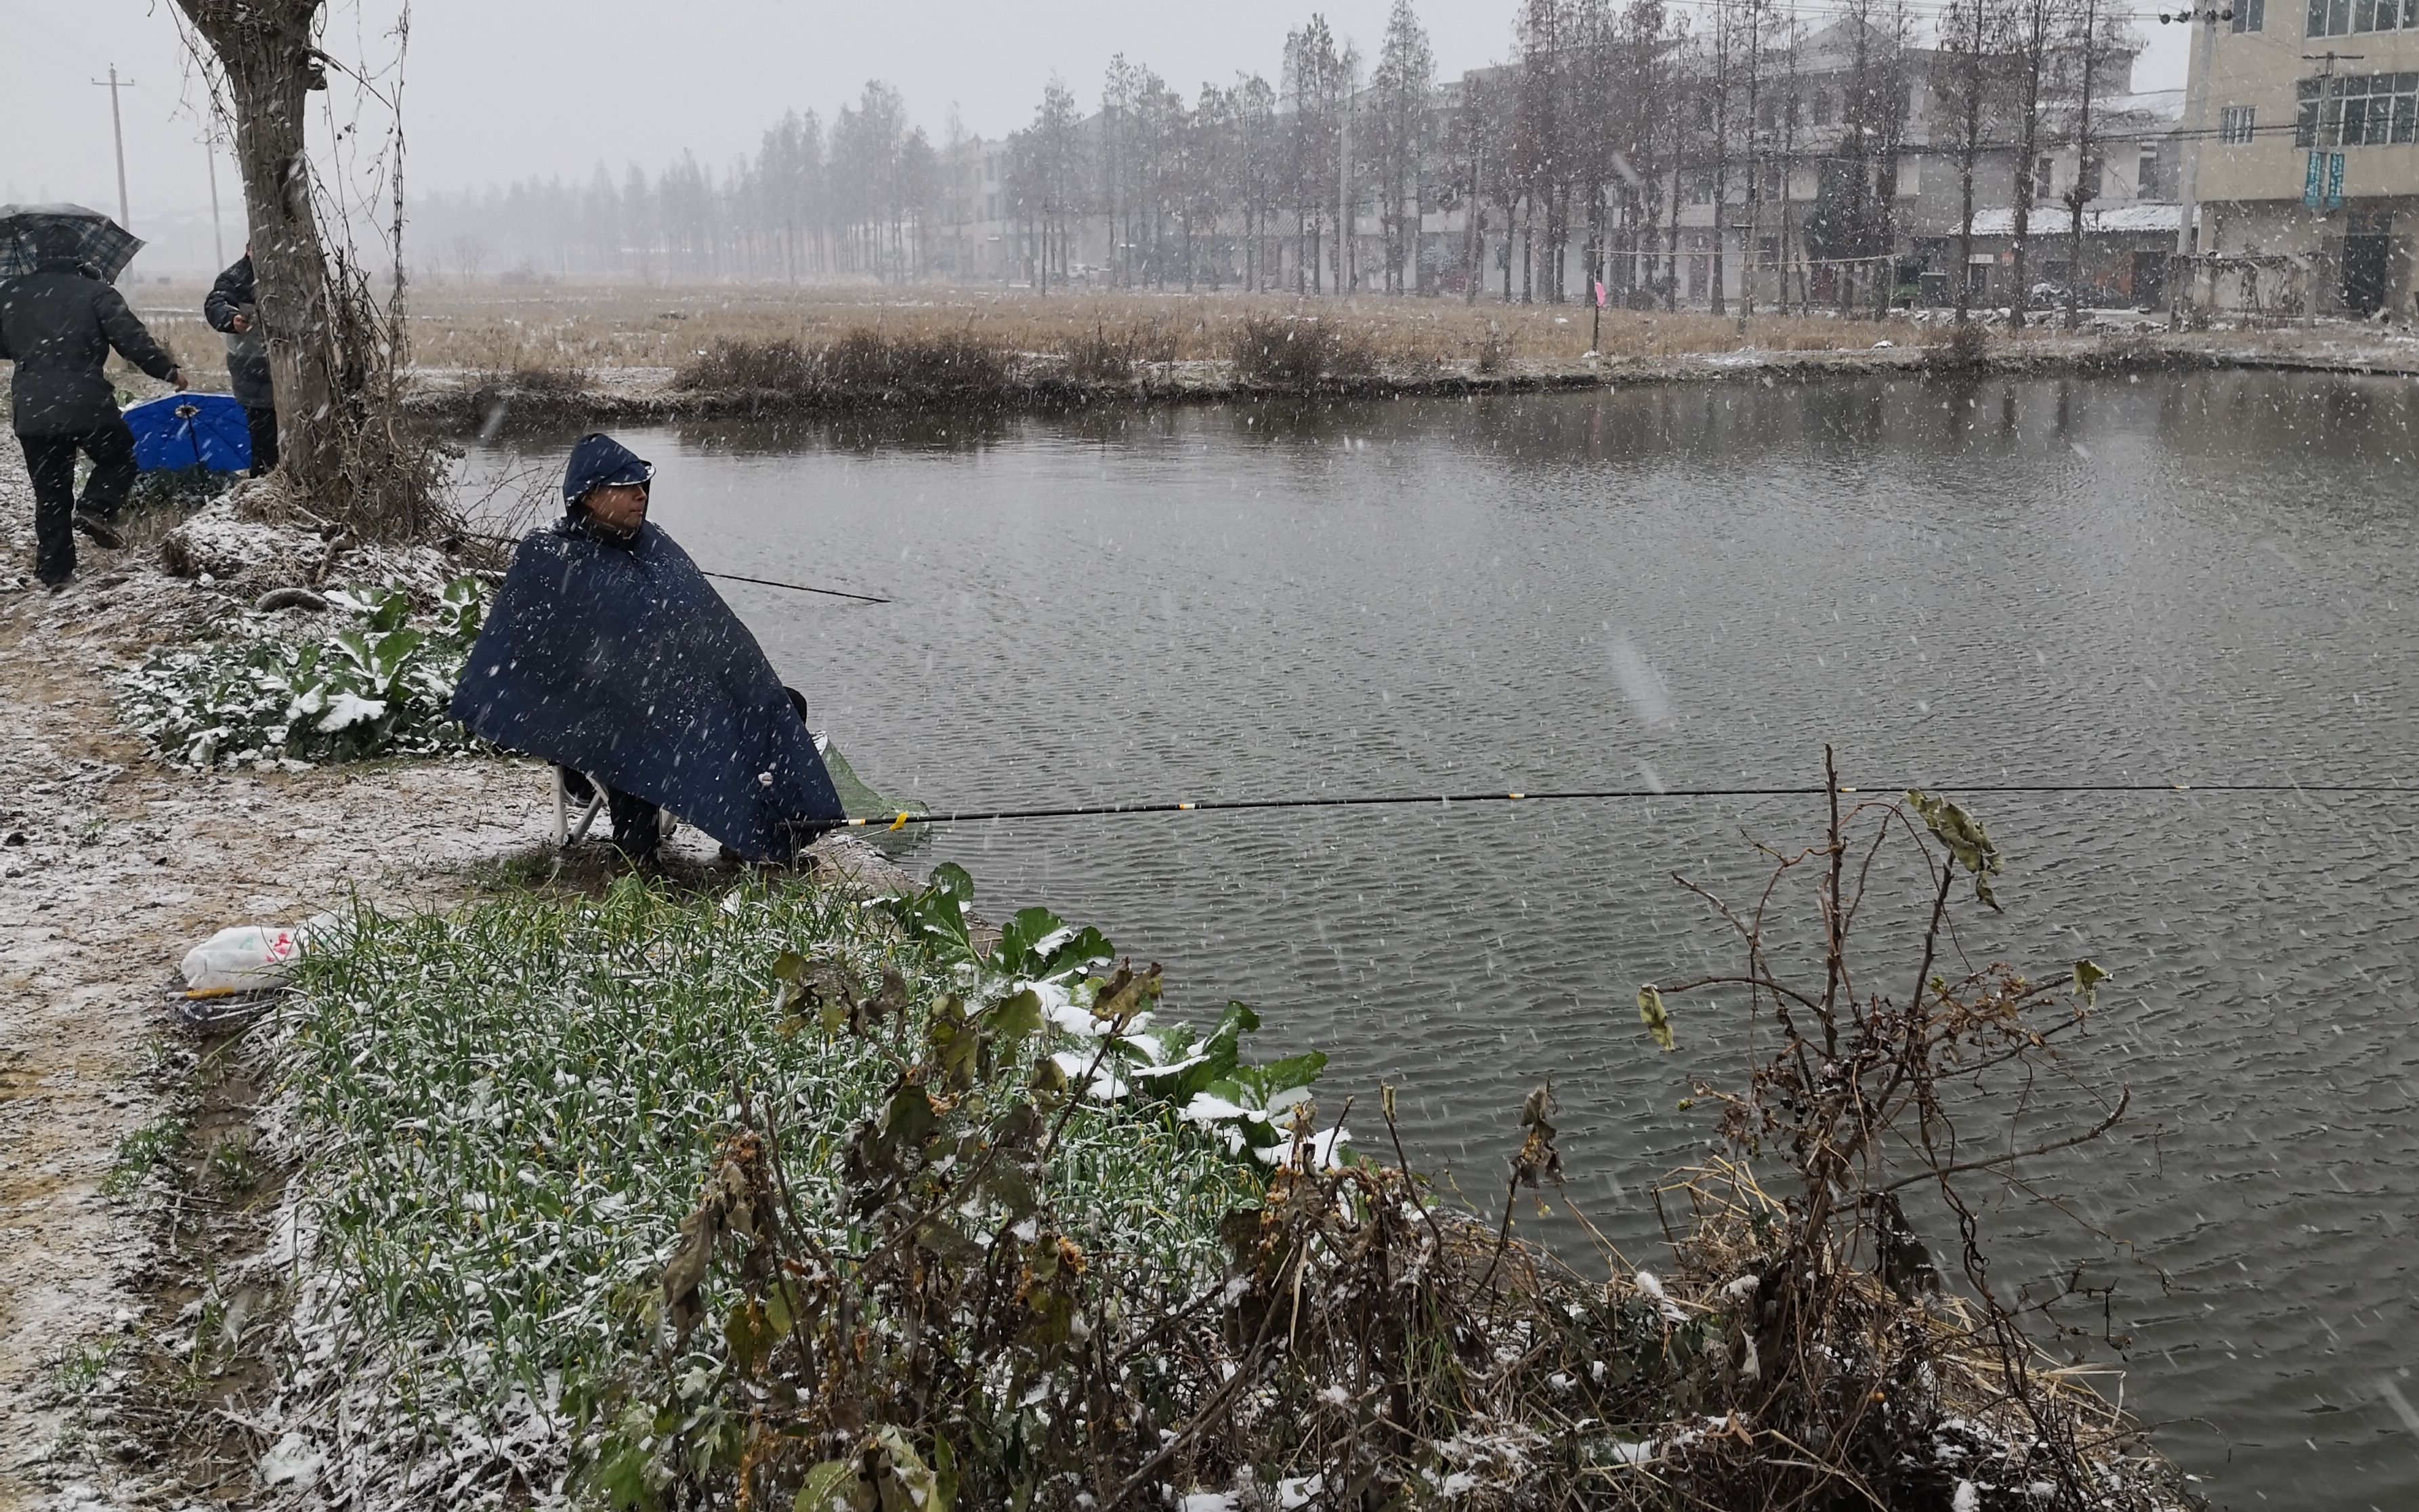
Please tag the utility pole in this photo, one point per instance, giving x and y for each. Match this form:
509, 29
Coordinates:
218, 237
2187, 192
118, 130
2321, 155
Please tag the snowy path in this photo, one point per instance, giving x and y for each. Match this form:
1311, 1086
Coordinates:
110, 868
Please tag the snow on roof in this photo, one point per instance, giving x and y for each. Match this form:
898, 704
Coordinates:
2048, 219
2166, 104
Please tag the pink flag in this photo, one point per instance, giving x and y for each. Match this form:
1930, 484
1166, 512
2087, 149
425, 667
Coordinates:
1599, 293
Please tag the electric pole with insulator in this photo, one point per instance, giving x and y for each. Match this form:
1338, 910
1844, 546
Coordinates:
118, 130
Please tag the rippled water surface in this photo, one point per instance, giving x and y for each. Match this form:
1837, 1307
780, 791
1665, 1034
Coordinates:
2193, 579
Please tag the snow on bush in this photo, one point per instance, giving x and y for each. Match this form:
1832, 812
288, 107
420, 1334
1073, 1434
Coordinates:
374, 681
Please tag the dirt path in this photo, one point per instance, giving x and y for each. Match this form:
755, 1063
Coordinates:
109, 867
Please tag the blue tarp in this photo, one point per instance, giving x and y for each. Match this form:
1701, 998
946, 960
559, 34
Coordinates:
623, 662
186, 430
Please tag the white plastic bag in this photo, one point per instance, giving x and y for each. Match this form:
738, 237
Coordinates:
248, 957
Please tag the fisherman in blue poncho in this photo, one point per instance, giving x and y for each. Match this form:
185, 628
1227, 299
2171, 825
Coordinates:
607, 653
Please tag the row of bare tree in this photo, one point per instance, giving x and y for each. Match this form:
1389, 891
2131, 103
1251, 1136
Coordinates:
1581, 160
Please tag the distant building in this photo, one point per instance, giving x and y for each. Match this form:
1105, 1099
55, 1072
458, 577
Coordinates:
2307, 185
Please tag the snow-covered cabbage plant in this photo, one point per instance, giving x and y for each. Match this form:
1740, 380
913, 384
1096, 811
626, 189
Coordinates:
1202, 1078
373, 680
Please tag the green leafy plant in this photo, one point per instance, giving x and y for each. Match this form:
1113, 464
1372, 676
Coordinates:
377, 684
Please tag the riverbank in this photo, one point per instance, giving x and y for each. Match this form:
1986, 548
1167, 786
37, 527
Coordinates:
620, 354
113, 867
877, 368
112, 1107
300, 1308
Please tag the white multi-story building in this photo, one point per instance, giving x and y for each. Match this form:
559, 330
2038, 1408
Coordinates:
2307, 183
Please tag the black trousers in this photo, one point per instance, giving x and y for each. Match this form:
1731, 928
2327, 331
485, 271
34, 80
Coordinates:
262, 421
50, 462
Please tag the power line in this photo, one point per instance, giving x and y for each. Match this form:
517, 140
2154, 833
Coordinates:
903, 818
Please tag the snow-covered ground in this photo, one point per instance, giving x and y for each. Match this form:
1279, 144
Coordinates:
109, 867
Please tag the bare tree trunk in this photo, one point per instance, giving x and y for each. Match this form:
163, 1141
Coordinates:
1474, 225
2035, 62
264, 49
1969, 147
1671, 238
2080, 193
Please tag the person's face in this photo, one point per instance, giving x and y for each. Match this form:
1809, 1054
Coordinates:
618, 507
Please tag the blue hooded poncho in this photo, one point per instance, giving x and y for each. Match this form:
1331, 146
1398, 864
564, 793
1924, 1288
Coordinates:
620, 660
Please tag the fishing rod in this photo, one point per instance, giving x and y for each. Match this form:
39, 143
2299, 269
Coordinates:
903, 818
726, 576
796, 588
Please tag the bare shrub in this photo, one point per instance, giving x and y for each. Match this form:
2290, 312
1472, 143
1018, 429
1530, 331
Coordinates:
1964, 343
1297, 352
1494, 350
858, 362
942, 361
537, 378
777, 365
1366, 1345
1098, 357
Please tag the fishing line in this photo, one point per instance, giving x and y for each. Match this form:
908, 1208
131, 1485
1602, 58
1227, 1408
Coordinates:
726, 576
903, 818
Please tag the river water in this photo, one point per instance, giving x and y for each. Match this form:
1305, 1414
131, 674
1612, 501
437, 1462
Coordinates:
2195, 580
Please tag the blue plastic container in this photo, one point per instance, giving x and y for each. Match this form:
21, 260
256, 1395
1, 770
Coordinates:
178, 431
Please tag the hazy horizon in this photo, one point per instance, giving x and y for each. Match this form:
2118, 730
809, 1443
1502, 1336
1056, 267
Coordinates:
549, 88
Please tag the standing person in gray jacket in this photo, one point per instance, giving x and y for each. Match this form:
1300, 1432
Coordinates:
58, 324
233, 309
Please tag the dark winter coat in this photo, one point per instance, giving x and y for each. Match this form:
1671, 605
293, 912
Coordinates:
58, 323
234, 294
620, 660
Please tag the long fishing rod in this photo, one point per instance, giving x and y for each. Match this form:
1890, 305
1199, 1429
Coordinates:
796, 588
726, 576
903, 818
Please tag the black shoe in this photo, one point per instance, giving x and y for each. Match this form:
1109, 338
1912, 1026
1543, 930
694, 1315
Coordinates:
53, 585
98, 530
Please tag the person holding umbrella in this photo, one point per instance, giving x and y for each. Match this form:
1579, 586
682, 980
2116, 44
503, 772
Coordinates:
59, 320
233, 309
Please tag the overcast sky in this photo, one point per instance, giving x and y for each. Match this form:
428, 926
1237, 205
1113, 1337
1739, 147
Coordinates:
503, 90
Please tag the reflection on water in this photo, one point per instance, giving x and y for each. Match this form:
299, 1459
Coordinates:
2190, 579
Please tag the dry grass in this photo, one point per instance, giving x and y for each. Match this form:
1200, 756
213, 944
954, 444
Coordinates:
602, 327
861, 360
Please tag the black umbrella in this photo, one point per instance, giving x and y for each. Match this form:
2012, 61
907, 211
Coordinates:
29, 233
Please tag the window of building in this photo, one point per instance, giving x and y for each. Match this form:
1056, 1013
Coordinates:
2234, 125
2341, 18
1822, 107
2250, 15
1700, 188
2044, 178
2149, 182
2356, 110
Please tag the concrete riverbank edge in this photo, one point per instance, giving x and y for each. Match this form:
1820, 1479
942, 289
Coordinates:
654, 395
